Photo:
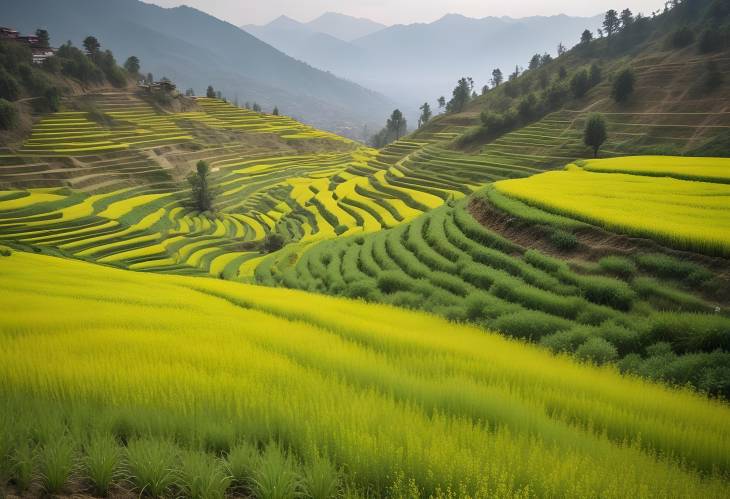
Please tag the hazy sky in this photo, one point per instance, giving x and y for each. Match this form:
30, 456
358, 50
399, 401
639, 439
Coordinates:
401, 11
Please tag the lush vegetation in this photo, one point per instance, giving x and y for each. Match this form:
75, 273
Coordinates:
202, 392
684, 214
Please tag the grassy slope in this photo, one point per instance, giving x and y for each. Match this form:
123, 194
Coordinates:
390, 395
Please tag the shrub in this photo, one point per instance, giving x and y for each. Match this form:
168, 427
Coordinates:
394, 280
681, 37
273, 242
618, 265
102, 463
57, 463
690, 332
202, 476
625, 340
530, 324
563, 240
151, 464
364, 288
711, 40
277, 476
595, 75
596, 350
580, 83
623, 85
9, 88
544, 262
672, 268
567, 341
449, 282
607, 291
534, 298
406, 299
8, 115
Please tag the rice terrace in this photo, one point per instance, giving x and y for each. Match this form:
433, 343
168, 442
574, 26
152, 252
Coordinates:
234, 281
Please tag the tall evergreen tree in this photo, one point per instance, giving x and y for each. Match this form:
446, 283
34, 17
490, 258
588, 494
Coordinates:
497, 77
210, 92
396, 124
201, 193
586, 37
425, 114
132, 65
461, 96
595, 133
611, 23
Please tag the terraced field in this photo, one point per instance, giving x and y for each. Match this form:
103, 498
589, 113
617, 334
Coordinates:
688, 214
204, 389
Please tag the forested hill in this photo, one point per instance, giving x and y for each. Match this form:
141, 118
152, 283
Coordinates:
195, 50
659, 83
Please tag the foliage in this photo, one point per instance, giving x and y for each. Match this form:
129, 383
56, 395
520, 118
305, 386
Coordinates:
132, 64
594, 133
623, 85
202, 194
682, 37
8, 115
461, 95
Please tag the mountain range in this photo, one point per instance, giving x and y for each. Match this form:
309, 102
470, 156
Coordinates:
417, 62
195, 49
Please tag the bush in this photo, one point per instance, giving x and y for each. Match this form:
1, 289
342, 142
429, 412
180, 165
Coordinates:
673, 268
567, 341
563, 240
596, 350
595, 75
273, 242
607, 291
580, 83
618, 265
9, 88
625, 340
690, 332
364, 289
394, 280
623, 85
712, 40
544, 262
530, 324
681, 37
8, 115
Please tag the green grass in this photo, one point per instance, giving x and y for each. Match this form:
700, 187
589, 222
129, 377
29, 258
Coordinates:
392, 398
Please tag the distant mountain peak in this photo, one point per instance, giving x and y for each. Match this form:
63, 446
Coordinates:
284, 21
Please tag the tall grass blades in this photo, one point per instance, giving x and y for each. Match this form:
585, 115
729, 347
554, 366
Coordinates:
277, 476
322, 480
24, 465
152, 466
203, 476
102, 463
241, 464
57, 463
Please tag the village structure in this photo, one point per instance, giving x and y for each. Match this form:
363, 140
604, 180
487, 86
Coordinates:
40, 52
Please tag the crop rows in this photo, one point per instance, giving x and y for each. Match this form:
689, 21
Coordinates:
682, 213
201, 379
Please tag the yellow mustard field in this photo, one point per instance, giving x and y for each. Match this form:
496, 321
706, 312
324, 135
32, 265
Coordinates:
686, 214
708, 169
390, 396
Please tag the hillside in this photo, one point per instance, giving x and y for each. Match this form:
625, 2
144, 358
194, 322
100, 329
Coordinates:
508, 315
196, 50
202, 379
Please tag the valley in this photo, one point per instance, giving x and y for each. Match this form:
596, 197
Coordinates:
526, 296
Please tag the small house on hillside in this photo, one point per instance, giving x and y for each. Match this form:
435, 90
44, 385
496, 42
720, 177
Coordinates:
40, 53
